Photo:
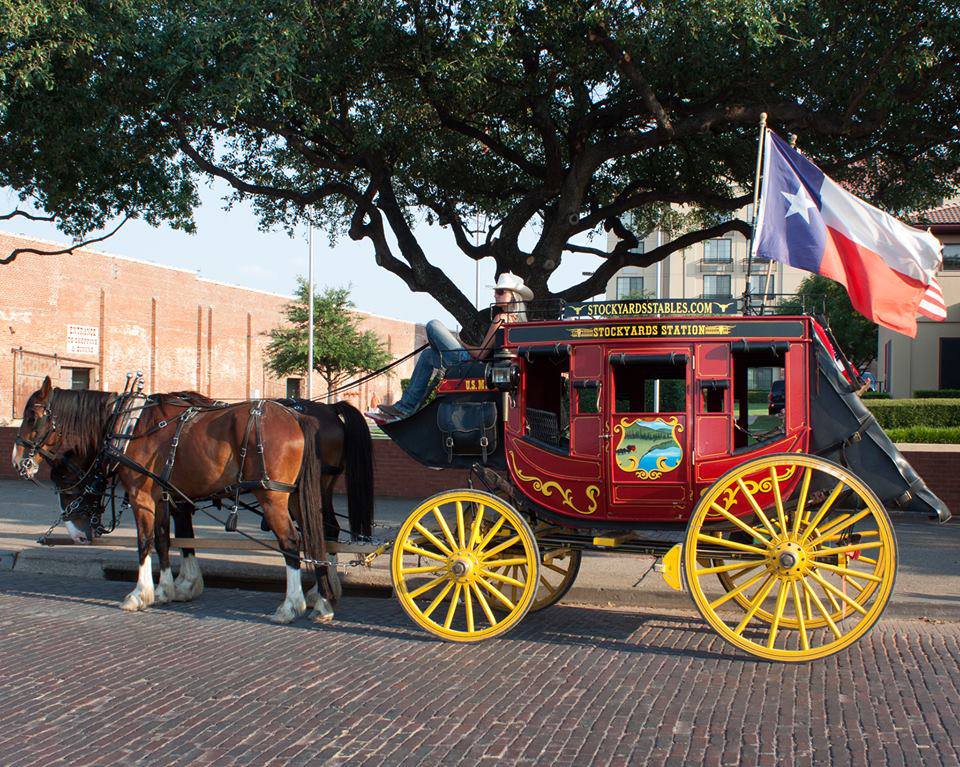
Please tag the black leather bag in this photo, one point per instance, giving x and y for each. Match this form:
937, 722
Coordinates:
468, 428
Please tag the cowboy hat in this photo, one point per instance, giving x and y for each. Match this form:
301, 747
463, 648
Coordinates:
510, 281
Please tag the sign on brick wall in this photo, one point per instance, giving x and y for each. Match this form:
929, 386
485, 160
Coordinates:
83, 339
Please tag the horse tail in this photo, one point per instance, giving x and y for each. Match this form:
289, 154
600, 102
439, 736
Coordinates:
310, 493
358, 459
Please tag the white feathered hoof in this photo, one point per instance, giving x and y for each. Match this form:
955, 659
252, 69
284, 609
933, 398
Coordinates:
189, 582
137, 600
322, 611
165, 589
289, 611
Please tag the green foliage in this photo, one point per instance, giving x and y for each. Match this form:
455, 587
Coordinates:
874, 395
902, 413
559, 119
341, 350
856, 334
949, 435
937, 393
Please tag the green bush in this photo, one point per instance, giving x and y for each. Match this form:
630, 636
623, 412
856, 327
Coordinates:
928, 434
904, 413
874, 395
758, 395
937, 393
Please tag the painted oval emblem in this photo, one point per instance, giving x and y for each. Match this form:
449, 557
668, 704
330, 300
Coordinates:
649, 447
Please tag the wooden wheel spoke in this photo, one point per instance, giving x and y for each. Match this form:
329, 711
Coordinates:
423, 552
850, 574
431, 584
475, 527
823, 610
726, 543
735, 592
758, 598
777, 500
484, 605
445, 527
756, 507
513, 561
822, 511
546, 584
433, 539
490, 533
752, 532
830, 552
423, 569
778, 613
736, 567
829, 587
798, 514
840, 524
468, 607
512, 541
452, 610
503, 578
495, 592
461, 529
438, 599
552, 567
801, 623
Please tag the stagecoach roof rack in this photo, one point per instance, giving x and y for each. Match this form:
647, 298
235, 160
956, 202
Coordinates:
772, 304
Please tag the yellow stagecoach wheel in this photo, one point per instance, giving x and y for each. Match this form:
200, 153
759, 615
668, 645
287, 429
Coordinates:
809, 571
558, 571
450, 565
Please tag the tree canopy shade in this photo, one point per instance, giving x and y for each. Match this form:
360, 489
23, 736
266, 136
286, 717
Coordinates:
571, 118
341, 350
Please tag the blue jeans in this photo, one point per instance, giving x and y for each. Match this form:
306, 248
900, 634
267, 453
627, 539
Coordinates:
444, 350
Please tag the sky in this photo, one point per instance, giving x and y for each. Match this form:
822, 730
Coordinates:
229, 247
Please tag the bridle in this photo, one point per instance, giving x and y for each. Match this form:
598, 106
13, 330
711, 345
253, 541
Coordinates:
35, 446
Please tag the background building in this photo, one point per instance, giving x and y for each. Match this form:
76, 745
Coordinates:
932, 359
89, 318
713, 269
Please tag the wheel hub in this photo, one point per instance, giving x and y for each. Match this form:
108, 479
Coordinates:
788, 558
462, 567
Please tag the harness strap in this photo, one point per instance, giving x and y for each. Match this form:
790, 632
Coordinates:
172, 455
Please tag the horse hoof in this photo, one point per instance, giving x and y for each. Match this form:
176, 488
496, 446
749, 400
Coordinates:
287, 612
186, 592
318, 616
134, 602
162, 597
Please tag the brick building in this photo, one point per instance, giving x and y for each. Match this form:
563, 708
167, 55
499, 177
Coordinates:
88, 318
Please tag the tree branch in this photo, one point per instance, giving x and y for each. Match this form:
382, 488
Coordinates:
82, 244
23, 214
621, 256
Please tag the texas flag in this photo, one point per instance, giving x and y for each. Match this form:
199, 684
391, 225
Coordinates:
808, 221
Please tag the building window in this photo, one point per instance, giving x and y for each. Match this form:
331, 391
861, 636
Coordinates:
629, 287
79, 378
951, 256
759, 281
293, 388
716, 286
950, 363
718, 251
639, 250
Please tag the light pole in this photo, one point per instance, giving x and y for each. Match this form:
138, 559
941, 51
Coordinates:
310, 312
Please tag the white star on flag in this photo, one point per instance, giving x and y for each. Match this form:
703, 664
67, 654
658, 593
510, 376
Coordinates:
800, 202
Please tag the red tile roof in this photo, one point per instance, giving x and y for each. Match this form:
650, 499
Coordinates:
945, 214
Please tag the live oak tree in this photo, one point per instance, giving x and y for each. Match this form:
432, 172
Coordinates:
563, 119
341, 350
856, 334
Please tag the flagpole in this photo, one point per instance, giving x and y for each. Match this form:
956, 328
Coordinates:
310, 312
756, 198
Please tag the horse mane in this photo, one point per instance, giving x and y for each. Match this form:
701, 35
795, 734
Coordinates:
81, 416
194, 398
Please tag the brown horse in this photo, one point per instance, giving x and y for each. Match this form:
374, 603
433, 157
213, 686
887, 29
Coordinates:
288, 478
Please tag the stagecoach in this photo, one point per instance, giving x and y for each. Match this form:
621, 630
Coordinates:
637, 427
647, 427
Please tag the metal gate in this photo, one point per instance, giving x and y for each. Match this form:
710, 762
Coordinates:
30, 368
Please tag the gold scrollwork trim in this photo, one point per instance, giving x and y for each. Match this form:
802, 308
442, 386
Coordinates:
765, 485
546, 488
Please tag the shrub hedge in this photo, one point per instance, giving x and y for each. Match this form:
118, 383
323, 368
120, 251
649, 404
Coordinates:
874, 395
905, 413
937, 393
926, 434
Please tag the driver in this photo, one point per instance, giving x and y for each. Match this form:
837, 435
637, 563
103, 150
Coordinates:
445, 349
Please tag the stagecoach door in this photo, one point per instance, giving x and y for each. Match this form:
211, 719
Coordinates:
648, 431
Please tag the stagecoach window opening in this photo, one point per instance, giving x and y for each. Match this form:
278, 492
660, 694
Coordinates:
588, 397
759, 395
635, 385
714, 395
79, 378
547, 399
293, 388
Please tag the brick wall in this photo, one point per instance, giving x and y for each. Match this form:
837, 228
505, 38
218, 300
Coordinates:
182, 331
397, 475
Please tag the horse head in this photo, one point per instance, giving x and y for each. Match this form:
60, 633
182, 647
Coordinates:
37, 437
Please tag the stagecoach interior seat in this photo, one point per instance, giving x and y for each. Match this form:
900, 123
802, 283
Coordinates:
544, 426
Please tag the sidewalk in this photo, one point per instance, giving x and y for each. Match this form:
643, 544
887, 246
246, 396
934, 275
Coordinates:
928, 579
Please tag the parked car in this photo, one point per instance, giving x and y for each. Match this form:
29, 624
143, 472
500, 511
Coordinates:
778, 397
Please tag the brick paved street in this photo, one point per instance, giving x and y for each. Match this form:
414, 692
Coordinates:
214, 683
